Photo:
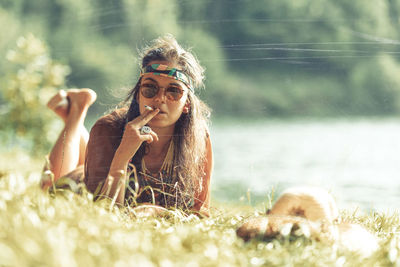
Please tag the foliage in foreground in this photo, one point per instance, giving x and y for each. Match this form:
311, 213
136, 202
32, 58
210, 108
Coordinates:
71, 230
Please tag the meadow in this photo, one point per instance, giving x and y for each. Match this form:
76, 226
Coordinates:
66, 229
278, 52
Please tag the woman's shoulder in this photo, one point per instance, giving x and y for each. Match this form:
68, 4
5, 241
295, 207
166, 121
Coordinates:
108, 129
114, 120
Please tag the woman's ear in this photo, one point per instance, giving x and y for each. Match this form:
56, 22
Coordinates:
186, 107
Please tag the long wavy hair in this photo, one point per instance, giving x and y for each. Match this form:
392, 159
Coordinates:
191, 129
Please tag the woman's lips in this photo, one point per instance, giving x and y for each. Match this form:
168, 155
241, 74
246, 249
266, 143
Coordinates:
161, 113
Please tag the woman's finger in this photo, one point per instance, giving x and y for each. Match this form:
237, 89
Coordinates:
141, 117
149, 138
147, 115
154, 135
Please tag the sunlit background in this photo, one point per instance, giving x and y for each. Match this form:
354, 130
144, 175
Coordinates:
302, 92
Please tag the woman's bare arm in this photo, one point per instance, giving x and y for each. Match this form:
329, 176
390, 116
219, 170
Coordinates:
202, 203
115, 183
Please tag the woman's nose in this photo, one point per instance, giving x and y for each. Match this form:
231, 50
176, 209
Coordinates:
160, 95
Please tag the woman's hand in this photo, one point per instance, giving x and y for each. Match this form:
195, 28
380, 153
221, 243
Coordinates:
132, 138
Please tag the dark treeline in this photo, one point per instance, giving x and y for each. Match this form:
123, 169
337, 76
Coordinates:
263, 58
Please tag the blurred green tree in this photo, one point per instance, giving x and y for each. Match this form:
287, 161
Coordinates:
311, 50
32, 78
263, 58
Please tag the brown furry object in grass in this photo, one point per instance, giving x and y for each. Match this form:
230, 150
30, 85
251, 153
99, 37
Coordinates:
271, 226
310, 212
312, 203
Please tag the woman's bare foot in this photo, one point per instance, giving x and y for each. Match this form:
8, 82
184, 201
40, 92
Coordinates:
77, 99
59, 104
80, 100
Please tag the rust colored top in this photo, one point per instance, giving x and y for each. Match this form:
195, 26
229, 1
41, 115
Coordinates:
105, 137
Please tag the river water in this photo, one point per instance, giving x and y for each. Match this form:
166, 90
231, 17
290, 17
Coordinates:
356, 160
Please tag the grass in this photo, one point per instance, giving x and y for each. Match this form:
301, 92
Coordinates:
38, 229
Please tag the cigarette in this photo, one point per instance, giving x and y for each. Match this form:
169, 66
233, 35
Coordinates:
148, 107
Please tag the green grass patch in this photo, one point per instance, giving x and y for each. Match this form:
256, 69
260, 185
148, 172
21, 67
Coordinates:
38, 229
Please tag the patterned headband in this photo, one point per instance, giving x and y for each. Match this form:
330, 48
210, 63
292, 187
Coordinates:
166, 71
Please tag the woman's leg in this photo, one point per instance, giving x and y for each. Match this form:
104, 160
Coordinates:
69, 149
84, 138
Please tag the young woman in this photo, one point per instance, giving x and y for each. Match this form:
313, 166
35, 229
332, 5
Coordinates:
156, 149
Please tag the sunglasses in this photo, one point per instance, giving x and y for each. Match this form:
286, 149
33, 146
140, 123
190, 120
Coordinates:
173, 93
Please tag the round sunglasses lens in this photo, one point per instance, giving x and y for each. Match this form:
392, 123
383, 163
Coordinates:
174, 93
149, 91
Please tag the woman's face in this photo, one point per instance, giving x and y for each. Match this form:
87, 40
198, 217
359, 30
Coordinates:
170, 110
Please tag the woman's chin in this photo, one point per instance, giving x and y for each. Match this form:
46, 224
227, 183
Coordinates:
161, 120
159, 123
